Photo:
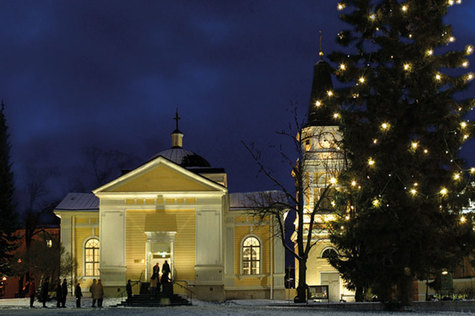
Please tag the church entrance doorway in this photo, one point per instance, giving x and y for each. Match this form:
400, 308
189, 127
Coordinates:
159, 247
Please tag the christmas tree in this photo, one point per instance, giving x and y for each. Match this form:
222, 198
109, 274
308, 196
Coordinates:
8, 216
402, 119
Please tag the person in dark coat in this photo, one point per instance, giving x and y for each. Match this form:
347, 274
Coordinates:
32, 291
92, 289
44, 292
128, 289
100, 291
78, 294
165, 269
64, 293
59, 294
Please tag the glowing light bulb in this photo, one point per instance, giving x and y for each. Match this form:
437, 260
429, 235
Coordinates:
469, 49
333, 180
375, 141
342, 67
414, 145
416, 184
463, 124
413, 191
361, 79
407, 67
385, 126
404, 8
347, 217
429, 52
456, 176
472, 170
336, 115
466, 136
444, 191
333, 203
463, 219
330, 93
451, 39
371, 162
372, 17
376, 202
426, 151
438, 77
469, 76
341, 6
353, 183
318, 103
465, 64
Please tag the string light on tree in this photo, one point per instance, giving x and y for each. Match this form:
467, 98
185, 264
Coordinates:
414, 145
371, 162
465, 64
361, 79
385, 126
443, 191
336, 115
376, 203
404, 8
353, 183
469, 49
429, 52
330, 93
438, 76
318, 103
342, 67
341, 6
372, 17
463, 219
333, 180
469, 76
413, 191
407, 67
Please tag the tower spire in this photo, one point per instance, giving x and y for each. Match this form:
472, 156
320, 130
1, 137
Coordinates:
177, 135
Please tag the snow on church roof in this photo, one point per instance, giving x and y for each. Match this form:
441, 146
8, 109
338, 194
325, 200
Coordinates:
79, 202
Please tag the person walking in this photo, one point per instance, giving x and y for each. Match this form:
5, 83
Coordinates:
100, 293
59, 294
78, 295
92, 289
32, 292
44, 292
64, 292
128, 289
156, 270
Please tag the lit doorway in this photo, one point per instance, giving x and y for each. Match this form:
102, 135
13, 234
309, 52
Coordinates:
159, 247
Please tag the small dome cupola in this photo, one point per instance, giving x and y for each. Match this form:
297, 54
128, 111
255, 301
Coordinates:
177, 135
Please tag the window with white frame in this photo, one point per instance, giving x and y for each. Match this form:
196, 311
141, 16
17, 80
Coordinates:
91, 257
251, 256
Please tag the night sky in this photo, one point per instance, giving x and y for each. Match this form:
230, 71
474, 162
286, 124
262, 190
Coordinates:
109, 74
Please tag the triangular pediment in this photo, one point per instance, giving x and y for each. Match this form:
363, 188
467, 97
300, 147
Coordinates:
160, 175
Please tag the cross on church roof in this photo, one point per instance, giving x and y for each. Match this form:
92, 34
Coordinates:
176, 118
320, 53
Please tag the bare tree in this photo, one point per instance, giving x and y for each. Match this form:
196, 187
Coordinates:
309, 199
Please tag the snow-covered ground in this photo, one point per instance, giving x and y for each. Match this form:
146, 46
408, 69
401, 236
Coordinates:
20, 306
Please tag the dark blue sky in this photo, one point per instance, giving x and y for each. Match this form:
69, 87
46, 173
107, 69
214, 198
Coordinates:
76, 74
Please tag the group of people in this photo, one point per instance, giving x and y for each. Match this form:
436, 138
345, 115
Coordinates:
96, 289
154, 280
97, 293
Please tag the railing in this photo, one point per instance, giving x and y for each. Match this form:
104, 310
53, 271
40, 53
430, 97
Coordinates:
185, 287
133, 283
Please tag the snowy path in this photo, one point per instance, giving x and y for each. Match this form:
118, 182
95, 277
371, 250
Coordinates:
242, 307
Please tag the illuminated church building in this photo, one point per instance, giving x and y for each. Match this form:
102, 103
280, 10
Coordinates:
176, 207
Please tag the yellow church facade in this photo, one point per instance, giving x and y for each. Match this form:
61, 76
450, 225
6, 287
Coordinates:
177, 208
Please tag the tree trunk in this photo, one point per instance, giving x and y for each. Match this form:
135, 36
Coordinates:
302, 286
359, 294
405, 290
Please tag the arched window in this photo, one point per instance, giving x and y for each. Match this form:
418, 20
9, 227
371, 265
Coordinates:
91, 257
329, 253
251, 256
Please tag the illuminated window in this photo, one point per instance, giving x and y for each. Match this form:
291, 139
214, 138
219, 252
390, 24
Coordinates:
91, 257
251, 256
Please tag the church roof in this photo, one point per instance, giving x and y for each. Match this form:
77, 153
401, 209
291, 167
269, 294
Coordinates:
249, 200
183, 157
322, 82
79, 202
